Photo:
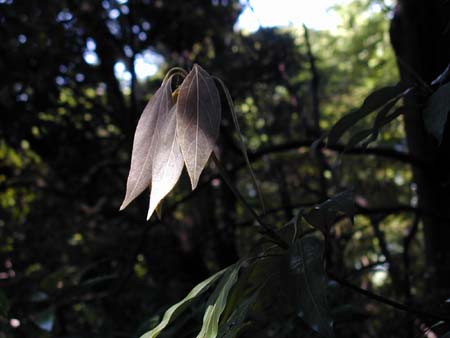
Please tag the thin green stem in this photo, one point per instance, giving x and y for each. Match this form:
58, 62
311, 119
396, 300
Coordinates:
266, 228
242, 143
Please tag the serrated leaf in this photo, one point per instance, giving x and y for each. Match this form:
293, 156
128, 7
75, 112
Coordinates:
140, 174
308, 271
436, 112
198, 120
374, 101
167, 159
176, 309
45, 320
217, 302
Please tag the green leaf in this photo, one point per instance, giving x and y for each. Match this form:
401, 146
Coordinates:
374, 101
176, 309
322, 216
217, 302
357, 138
236, 322
306, 266
39, 296
436, 112
383, 118
198, 120
442, 77
45, 320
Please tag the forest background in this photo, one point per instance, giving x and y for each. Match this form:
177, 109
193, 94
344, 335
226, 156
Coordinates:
71, 93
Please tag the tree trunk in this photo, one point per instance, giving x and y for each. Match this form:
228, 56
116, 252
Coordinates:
420, 35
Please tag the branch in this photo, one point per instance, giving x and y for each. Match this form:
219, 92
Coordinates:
389, 302
314, 80
266, 228
380, 152
381, 238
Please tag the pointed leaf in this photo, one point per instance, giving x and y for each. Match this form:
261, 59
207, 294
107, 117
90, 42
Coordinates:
140, 174
307, 268
198, 120
236, 322
322, 216
45, 320
217, 302
442, 77
176, 309
167, 159
373, 102
39, 296
436, 112
357, 138
383, 118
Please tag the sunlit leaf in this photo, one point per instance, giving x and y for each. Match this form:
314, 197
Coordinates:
307, 269
167, 159
140, 174
45, 320
374, 101
436, 112
176, 309
198, 120
217, 302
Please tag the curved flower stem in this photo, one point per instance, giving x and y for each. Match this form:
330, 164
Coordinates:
242, 143
265, 228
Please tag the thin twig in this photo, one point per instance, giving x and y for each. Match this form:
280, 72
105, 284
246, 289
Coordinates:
242, 143
381, 238
315, 81
266, 228
389, 302
406, 258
